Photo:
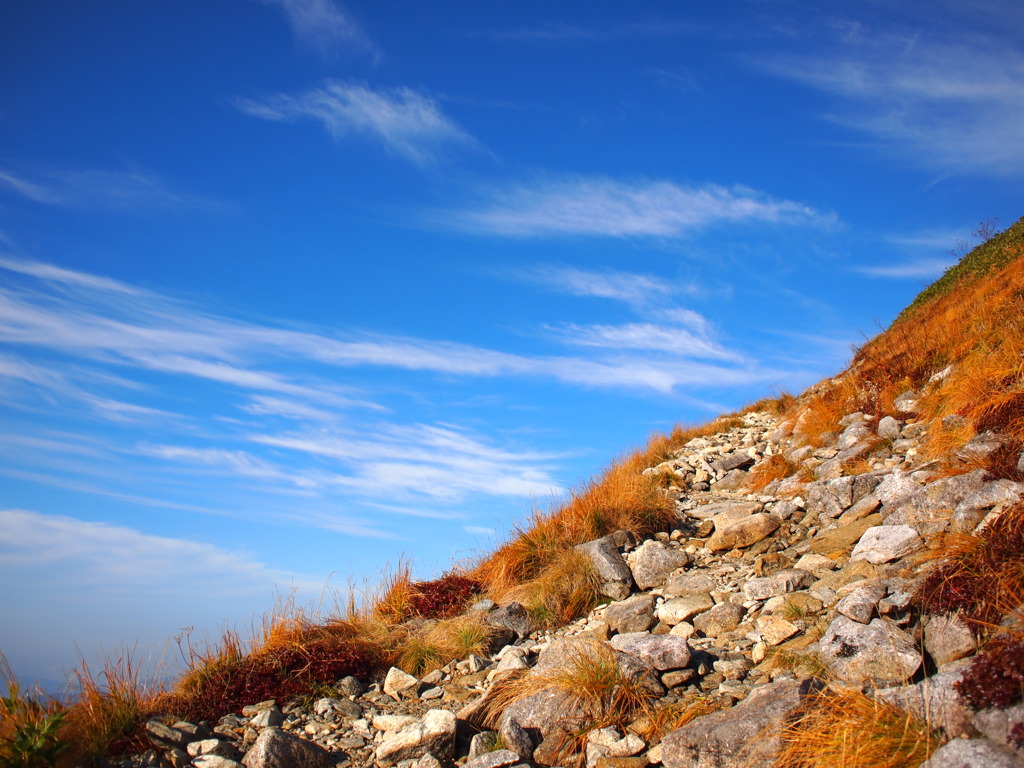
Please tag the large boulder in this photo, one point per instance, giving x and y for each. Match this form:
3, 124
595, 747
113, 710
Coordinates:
635, 614
604, 555
971, 753
275, 748
885, 543
935, 701
512, 617
653, 561
744, 532
744, 736
778, 583
935, 500
434, 734
661, 652
948, 638
879, 652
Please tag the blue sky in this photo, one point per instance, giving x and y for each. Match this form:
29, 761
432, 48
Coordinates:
290, 288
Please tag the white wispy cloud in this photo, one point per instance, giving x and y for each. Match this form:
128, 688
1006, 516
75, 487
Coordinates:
950, 101
556, 32
628, 287
918, 269
646, 336
408, 123
602, 206
325, 27
101, 189
110, 556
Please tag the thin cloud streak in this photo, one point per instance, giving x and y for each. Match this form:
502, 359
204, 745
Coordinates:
606, 207
952, 103
102, 190
325, 27
633, 289
407, 123
920, 269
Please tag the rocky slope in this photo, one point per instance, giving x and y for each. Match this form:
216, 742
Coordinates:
737, 618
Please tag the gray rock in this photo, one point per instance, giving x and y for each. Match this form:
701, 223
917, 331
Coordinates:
730, 509
861, 603
212, 747
895, 486
934, 500
398, 682
971, 753
277, 749
499, 758
879, 652
350, 686
778, 583
435, 734
948, 638
907, 402
745, 735
732, 462
997, 725
616, 578
889, 428
992, 494
272, 717
603, 743
935, 701
724, 617
513, 617
165, 737
635, 614
481, 743
885, 543
688, 584
662, 652
214, 761
733, 480
745, 532
980, 447
653, 561
775, 629
680, 609
427, 760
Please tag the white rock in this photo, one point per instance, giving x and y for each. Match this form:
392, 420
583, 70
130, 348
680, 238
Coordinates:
885, 543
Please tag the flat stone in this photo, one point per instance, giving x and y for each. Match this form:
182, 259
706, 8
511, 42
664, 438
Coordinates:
513, 617
885, 543
936, 499
744, 735
998, 726
861, 603
435, 734
724, 617
778, 583
635, 614
879, 652
165, 737
272, 717
971, 753
212, 747
215, 761
683, 584
730, 510
775, 629
680, 609
661, 652
745, 532
653, 561
398, 682
275, 748
935, 701
948, 638
499, 758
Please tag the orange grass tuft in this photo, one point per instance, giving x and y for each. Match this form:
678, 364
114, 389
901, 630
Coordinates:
847, 729
765, 472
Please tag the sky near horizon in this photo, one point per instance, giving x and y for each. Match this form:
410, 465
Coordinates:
292, 288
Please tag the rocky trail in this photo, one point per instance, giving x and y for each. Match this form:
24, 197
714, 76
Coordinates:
746, 606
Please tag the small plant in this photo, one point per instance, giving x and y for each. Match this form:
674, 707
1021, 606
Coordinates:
995, 679
847, 729
981, 576
442, 598
30, 731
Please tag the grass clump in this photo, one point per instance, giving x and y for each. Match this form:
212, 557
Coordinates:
847, 729
31, 728
767, 471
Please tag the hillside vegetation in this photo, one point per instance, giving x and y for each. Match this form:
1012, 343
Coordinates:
957, 351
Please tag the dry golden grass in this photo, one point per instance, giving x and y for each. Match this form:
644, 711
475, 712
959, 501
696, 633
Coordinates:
663, 718
846, 729
767, 471
441, 642
565, 590
596, 691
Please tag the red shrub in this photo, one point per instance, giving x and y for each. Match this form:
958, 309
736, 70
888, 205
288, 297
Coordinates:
444, 597
995, 678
